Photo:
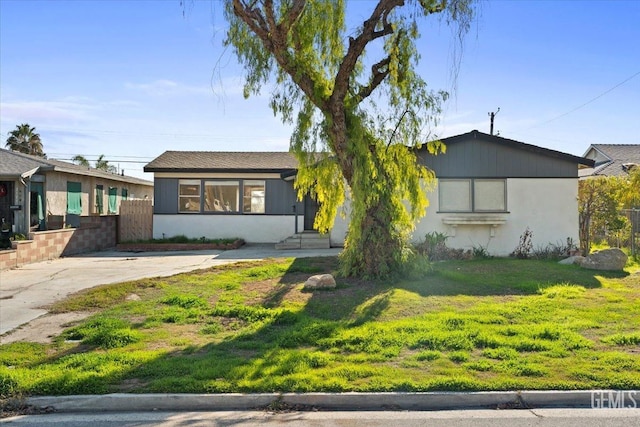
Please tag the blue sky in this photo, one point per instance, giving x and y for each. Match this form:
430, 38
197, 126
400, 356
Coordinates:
131, 79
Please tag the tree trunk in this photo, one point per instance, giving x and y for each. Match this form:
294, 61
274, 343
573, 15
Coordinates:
374, 248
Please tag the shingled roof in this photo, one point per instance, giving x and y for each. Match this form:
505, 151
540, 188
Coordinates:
612, 159
14, 164
222, 161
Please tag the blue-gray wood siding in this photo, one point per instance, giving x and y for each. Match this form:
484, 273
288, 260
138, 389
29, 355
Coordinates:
483, 159
280, 196
165, 195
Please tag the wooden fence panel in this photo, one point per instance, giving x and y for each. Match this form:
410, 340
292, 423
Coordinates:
136, 220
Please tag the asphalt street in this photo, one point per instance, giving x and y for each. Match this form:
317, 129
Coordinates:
469, 418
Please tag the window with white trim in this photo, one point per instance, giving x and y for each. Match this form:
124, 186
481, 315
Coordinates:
189, 195
253, 193
472, 195
221, 196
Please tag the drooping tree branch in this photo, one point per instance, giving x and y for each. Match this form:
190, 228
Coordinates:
274, 38
379, 71
358, 44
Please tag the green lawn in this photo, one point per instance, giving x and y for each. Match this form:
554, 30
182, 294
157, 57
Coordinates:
497, 324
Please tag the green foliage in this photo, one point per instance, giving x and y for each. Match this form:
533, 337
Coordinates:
486, 324
434, 248
184, 239
185, 301
343, 141
104, 332
600, 200
24, 139
623, 339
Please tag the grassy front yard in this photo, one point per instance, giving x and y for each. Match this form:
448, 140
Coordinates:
495, 324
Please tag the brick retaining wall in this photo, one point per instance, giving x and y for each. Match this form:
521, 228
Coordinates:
95, 233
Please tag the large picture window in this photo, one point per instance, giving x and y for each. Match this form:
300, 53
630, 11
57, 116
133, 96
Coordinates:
472, 195
189, 195
253, 196
222, 196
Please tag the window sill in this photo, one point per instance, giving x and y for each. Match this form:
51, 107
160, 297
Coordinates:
491, 220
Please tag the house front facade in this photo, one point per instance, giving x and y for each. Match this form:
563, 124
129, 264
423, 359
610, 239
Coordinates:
43, 194
489, 190
227, 195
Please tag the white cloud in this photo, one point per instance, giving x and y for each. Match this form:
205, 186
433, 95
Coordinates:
44, 111
164, 87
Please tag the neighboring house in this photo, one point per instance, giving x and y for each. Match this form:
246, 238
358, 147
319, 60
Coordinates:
39, 193
611, 159
489, 190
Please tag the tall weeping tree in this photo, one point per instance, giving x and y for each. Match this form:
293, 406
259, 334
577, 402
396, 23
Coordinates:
353, 116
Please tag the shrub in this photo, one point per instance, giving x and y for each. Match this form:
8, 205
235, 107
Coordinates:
525, 246
435, 249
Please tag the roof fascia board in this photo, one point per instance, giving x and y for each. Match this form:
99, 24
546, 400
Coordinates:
217, 170
593, 147
518, 145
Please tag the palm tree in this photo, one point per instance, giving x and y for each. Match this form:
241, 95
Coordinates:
104, 165
81, 161
24, 140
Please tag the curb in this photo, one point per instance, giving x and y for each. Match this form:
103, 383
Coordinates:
427, 401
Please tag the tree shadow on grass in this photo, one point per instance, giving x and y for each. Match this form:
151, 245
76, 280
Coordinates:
273, 354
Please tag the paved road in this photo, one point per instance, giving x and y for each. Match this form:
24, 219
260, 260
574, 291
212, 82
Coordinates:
26, 291
475, 418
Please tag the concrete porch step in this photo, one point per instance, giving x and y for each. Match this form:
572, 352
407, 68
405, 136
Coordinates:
306, 240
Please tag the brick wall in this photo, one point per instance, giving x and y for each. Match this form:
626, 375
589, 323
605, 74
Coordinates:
94, 234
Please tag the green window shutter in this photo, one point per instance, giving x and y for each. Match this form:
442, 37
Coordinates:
74, 198
125, 194
113, 200
99, 199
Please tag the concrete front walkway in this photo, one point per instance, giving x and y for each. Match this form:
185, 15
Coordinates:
25, 292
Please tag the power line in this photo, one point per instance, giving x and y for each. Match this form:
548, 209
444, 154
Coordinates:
586, 103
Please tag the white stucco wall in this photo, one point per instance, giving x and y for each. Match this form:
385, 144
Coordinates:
251, 228
548, 206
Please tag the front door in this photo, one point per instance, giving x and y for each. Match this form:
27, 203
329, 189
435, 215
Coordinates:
310, 210
6, 200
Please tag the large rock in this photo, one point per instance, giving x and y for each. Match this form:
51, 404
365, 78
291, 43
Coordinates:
576, 259
320, 281
607, 259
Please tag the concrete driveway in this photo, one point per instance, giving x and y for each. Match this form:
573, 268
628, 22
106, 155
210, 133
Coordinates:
26, 292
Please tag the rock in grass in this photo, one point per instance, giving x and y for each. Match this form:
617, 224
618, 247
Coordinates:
607, 259
577, 259
320, 281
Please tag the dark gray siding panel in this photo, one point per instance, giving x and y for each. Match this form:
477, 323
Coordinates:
280, 197
165, 196
484, 159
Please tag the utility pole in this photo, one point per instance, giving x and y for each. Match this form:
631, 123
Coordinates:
493, 116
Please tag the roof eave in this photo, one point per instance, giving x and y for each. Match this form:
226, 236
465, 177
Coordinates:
475, 134
218, 170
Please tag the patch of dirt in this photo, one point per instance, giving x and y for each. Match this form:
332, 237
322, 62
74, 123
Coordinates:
45, 328
14, 406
